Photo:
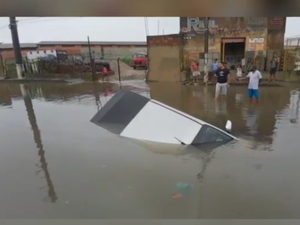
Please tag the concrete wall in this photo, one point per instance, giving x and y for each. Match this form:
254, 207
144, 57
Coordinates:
165, 58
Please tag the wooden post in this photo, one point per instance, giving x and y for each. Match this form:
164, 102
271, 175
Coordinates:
92, 62
119, 72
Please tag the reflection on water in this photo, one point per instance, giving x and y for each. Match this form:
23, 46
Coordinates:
43, 166
90, 173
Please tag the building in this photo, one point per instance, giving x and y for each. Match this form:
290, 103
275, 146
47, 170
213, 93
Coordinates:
7, 50
234, 38
99, 49
231, 39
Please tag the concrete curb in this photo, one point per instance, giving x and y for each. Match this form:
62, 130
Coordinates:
40, 80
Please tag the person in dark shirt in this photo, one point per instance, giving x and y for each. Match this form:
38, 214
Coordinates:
274, 66
222, 74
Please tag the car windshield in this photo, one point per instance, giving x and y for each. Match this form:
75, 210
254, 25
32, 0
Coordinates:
140, 56
209, 134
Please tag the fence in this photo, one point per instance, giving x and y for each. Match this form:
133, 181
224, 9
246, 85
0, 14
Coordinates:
74, 66
292, 55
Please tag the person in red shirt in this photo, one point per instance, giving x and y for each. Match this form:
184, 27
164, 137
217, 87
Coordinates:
105, 72
195, 70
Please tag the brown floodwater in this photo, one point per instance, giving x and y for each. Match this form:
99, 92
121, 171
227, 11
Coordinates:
54, 163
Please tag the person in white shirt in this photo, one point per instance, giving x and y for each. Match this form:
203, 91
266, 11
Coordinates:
255, 78
239, 72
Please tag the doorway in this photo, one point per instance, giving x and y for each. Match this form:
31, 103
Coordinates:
233, 50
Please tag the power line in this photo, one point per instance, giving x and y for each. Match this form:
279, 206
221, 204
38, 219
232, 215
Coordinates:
30, 20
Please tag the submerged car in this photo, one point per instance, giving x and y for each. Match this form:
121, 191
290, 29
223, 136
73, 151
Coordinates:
131, 115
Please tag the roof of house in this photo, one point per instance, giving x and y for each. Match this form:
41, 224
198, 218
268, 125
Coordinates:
136, 43
47, 43
22, 45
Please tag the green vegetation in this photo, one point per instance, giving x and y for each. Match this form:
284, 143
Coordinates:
127, 60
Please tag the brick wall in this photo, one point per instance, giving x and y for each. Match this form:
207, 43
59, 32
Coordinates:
276, 23
98, 51
10, 54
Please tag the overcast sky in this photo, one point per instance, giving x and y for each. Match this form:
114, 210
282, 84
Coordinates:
33, 29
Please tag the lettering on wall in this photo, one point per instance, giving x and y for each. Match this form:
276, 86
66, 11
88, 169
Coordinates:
198, 25
257, 40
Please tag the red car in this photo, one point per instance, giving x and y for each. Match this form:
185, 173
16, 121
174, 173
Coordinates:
140, 60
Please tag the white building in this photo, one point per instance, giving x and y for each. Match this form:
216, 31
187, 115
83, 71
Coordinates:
40, 54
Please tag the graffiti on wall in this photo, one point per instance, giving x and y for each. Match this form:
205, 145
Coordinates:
198, 25
256, 43
257, 40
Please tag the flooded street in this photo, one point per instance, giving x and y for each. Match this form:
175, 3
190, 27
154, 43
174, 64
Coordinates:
55, 163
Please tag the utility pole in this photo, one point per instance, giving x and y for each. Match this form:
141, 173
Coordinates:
92, 61
206, 37
16, 44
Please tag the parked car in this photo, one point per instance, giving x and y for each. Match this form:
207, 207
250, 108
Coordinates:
140, 60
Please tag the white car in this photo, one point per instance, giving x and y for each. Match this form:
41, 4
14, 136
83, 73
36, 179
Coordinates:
131, 115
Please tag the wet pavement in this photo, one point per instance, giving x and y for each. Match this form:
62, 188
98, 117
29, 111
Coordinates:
54, 163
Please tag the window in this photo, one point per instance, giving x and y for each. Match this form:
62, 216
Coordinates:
30, 53
208, 134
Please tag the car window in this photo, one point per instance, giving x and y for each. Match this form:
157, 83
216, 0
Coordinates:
209, 134
140, 56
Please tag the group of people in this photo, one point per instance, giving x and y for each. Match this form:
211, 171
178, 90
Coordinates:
221, 73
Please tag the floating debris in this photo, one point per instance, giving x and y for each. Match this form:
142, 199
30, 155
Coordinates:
177, 196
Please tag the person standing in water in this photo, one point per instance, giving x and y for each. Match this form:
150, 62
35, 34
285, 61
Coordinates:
195, 70
239, 72
255, 78
222, 75
274, 65
215, 67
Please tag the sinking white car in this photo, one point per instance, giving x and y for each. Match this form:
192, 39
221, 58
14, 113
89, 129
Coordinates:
131, 115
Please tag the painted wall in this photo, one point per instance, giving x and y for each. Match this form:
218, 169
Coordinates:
222, 26
253, 29
165, 58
